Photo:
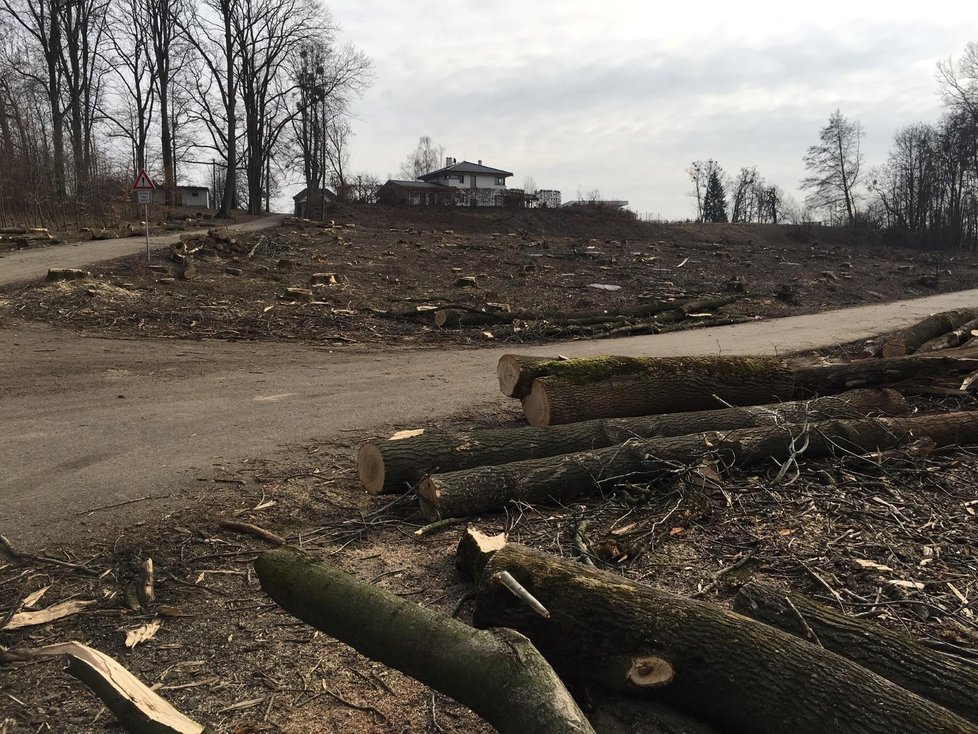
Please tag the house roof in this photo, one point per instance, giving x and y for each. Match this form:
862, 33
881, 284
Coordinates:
467, 167
302, 195
419, 185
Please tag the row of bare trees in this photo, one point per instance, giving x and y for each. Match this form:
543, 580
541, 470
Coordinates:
93, 90
751, 198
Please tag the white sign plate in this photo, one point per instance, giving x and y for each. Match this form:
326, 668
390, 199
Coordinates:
144, 197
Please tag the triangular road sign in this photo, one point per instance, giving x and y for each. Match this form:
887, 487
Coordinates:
143, 182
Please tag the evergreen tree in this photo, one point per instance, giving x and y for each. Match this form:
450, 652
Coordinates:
715, 199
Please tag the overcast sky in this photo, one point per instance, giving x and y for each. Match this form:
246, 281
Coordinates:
620, 96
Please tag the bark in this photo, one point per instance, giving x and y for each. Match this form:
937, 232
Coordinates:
516, 373
498, 673
616, 387
834, 378
616, 713
951, 339
396, 465
562, 478
907, 341
896, 657
609, 632
607, 387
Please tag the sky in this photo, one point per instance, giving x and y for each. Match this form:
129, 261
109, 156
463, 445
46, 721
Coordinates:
621, 96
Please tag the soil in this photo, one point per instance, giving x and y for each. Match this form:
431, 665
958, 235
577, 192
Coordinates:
227, 656
377, 274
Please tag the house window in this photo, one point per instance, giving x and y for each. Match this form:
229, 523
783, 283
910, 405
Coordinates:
500, 181
461, 179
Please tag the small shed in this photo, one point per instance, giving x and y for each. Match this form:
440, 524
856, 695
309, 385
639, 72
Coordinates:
198, 197
311, 203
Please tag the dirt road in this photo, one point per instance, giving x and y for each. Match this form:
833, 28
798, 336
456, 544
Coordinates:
88, 423
31, 264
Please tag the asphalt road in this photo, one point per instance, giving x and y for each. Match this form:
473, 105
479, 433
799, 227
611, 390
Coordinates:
35, 263
90, 422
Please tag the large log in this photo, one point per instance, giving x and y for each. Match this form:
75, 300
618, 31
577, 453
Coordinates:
951, 339
908, 340
396, 465
617, 387
617, 713
667, 385
896, 657
498, 674
565, 477
727, 669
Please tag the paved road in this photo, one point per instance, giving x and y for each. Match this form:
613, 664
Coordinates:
88, 422
35, 263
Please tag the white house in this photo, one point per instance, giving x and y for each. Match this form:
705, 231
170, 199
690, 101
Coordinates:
478, 185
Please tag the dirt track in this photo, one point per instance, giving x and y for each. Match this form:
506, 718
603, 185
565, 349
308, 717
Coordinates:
92, 422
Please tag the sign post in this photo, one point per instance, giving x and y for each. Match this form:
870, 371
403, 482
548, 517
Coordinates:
144, 188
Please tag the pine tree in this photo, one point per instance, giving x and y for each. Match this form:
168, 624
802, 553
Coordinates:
715, 200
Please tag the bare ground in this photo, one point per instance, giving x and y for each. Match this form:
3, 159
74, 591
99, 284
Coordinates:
229, 657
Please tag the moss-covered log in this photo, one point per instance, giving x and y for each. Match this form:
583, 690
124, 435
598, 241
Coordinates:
497, 673
617, 387
894, 656
562, 478
609, 632
908, 340
396, 465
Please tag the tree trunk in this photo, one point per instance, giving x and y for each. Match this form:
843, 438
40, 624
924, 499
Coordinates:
951, 339
894, 656
616, 387
616, 713
610, 632
908, 340
608, 387
396, 465
562, 478
498, 674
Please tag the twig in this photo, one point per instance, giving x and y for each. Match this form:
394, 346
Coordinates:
506, 579
16, 555
249, 529
441, 525
809, 632
721, 573
352, 705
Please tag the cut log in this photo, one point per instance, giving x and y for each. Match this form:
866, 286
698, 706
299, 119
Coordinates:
475, 548
138, 709
565, 477
56, 275
907, 341
498, 674
617, 387
951, 339
894, 656
729, 670
516, 372
396, 465
578, 390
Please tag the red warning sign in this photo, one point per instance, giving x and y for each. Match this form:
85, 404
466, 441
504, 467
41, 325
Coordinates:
143, 182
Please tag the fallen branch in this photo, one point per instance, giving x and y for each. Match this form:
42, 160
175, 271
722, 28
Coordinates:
247, 528
498, 674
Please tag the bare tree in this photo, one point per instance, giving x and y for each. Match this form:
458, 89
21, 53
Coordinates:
699, 173
427, 157
834, 165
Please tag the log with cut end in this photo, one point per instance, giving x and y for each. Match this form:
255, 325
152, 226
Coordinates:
567, 476
616, 387
497, 673
671, 384
896, 657
608, 632
396, 465
908, 340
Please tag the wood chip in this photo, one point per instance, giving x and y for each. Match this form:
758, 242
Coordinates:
406, 434
143, 633
870, 565
32, 599
50, 614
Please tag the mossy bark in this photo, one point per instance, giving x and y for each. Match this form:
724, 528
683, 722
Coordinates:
496, 673
894, 656
617, 387
565, 477
396, 465
730, 670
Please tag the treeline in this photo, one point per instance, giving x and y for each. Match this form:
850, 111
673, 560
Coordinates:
93, 90
925, 195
